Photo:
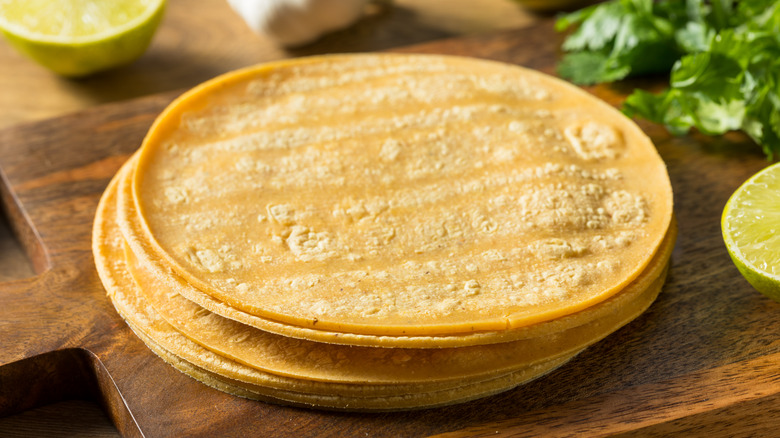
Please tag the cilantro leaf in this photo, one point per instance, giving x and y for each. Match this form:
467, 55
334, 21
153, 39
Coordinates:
598, 26
723, 57
590, 68
733, 85
625, 35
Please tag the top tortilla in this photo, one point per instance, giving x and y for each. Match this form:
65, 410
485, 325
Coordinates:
400, 194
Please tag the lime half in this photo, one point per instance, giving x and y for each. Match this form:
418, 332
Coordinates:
80, 37
751, 230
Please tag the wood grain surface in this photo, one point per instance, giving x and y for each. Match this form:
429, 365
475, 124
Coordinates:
702, 360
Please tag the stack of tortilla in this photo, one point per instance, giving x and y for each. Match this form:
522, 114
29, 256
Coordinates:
383, 232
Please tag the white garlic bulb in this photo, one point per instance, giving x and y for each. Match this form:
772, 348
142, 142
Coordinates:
297, 22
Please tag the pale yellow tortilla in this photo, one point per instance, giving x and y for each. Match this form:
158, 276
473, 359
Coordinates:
283, 357
400, 195
170, 282
294, 358
238, 379
224, 374
459, 394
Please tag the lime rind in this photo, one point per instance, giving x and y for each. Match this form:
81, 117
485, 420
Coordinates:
751, 230
83, 55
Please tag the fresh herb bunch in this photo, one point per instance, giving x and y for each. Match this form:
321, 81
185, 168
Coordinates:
724, 58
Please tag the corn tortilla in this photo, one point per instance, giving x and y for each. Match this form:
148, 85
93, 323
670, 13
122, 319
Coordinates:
236, 378
512, 363
169, 281
460, 394
400, 195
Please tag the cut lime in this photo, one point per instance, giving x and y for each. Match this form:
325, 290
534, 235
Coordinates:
751, 230
80, 37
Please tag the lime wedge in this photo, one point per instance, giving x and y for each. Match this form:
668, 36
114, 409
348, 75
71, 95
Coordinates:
751, 230
80, 37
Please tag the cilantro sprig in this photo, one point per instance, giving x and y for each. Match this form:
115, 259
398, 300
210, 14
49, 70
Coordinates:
723, 57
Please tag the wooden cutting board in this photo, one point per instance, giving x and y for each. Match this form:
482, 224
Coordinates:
704, 357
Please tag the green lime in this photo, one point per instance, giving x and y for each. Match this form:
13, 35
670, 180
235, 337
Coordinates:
751, 230
80, 37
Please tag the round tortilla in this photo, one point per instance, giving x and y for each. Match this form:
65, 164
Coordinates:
400, 196
237, 378
144, 264
261, 358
